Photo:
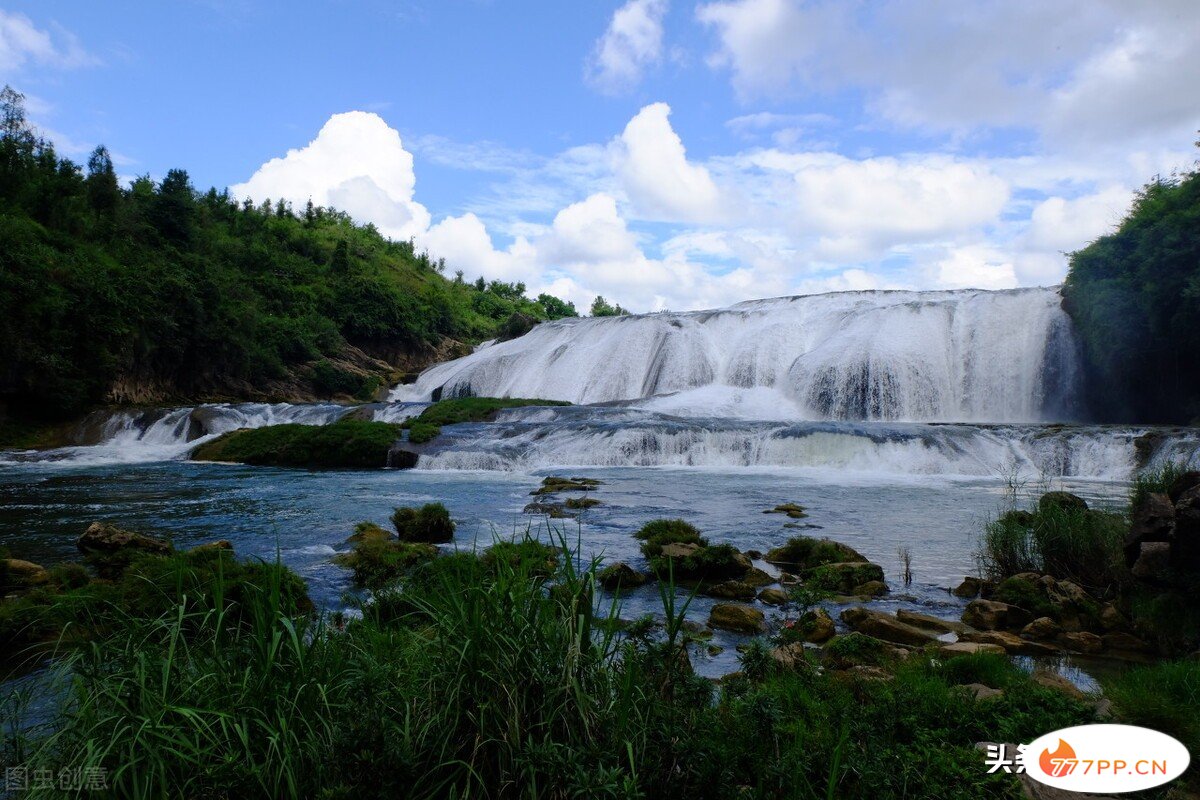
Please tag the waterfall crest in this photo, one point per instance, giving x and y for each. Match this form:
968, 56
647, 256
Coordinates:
963, 356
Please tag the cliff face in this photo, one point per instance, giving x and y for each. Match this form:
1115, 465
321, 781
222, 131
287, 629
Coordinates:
363, 372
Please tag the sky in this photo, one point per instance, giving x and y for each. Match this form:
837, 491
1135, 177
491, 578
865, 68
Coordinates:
665, 154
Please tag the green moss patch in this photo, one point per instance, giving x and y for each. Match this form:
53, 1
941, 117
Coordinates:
348, 444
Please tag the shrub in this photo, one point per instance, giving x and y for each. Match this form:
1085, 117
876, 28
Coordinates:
1023, 594
805, 552
377, 563
429, 523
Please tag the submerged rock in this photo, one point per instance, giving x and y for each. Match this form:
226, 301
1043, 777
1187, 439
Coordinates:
620, 576
774, 597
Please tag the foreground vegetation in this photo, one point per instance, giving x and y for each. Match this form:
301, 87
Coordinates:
158, 292
470, 678
1133, 296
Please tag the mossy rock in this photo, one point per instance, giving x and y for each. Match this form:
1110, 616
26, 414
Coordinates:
429, 523
346, 444
737, 618
428, 424
369, 532
620, 576
528, 554
857, 649
657, 533
721, 562
793, 510
582, 503
843, 577
551, 510
1023, 593
805, 552
376, 563
730, 590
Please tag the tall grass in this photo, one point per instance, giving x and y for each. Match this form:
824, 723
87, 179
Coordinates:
1083, 545
1154, 481
495, 676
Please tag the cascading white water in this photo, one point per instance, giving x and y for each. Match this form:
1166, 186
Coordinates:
967, 356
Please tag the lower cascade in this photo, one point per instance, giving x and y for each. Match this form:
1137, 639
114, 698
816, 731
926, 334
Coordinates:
960, 356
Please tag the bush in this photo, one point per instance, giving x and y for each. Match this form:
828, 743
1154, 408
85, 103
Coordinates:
1023, 594
378, 563
429, 523
1079, 544
347, 443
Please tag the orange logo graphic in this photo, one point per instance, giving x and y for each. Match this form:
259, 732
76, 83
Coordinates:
1061, 762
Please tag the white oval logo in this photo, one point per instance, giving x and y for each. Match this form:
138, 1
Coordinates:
1105, 759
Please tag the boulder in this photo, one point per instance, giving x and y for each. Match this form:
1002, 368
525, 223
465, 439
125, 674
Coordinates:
929, 622
101, 537
844, 576
22, 574
968, 588
1053, 680
1153, 520
982, 692
1111, 619
1185, 544
1153, 563
990, 615
679, 549
1125, 643
818, 626
1010, 642
369, 532
969, 649
1061, 501
1187, 480
730, 590
803, 552
774, 597
1065, 595
791, 656
1041, 629
871, 589
1081, 642
736, 617
620, 576
757, 577
885, 627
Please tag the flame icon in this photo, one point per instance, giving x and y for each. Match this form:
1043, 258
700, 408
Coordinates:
1060, 762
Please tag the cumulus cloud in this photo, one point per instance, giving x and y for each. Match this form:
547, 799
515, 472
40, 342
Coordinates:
22, 43
654, 170
357, 164
632, 43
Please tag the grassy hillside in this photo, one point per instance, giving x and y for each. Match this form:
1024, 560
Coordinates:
160, 292
1135, 299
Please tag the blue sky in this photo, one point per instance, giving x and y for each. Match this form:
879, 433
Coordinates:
666, 154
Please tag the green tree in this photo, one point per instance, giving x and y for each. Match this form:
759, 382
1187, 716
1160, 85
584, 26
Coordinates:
102, 190
602, 308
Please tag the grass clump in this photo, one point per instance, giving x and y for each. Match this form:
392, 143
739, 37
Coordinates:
1071, 542
429, 523
701, 561
348, 443
661, 532
377, 563
552, 484
1163, 697
1017, 591
1155, 481
428, 425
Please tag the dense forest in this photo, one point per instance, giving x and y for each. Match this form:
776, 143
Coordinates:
1135, 299
158, 292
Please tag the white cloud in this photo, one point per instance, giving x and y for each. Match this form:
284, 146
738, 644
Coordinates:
1063, 225
356, 164
632, 43
974, 267
653, 168
22, 43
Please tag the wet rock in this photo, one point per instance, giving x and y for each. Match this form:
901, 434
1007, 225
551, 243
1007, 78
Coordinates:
551, 510
774, 597
1185, 543
791, 657
793, 510
620, 576
929, 622
553, 484
730, 590
1061, 501
679, 549
805, 553
989, 615
817, 626
221, 545
885, 627
969, 649
1153, 520
1081, 642
1111, 619
737, 618
101, 537
968, 588
1183, 483
1041, 629
402, 456
582, 503
369, 532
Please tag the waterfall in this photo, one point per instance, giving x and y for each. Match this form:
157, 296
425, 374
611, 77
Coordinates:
962, 356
